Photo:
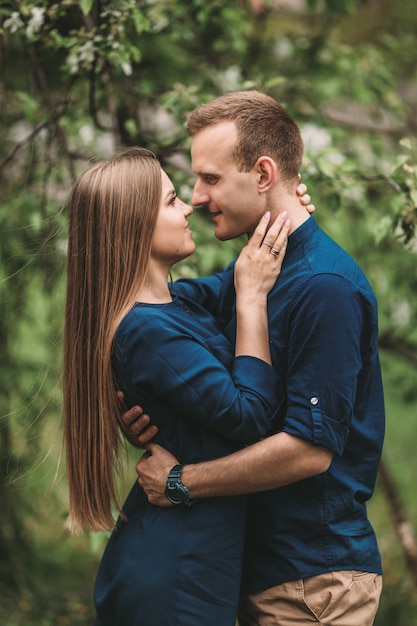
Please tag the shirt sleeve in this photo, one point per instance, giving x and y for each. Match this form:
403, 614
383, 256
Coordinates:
239, 405
333, 328
209, 292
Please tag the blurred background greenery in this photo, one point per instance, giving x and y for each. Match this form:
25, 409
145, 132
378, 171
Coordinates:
81, 78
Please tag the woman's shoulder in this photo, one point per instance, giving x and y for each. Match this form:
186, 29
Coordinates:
148, 320
145, 315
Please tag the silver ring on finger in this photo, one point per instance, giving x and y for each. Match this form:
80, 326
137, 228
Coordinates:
266, 243
274, 252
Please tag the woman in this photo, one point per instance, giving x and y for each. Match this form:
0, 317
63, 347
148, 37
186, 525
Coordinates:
125, 329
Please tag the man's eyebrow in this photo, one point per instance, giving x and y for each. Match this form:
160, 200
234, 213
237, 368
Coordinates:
209, 174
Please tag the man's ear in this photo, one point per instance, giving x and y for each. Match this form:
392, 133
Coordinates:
267, 173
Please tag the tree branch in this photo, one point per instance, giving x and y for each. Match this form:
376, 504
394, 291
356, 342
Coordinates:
399, 346
402, 525
51, 104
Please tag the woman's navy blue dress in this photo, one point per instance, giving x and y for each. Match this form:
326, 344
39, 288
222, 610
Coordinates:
182, 565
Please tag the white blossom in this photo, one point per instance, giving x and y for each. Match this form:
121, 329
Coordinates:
408, 168
72, 62
315, 139
13, 23
229, 79
127, 69
36, 21
400, 313
284, 47
86, 134
86, 52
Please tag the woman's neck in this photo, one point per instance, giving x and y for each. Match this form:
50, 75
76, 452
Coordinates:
155, 288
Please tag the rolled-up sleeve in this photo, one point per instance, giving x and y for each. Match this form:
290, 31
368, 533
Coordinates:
331, 322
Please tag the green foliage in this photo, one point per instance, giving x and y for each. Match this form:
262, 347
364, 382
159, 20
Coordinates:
405, 211
335, 7
82, 77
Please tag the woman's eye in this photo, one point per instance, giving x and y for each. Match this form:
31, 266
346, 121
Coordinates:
172, 201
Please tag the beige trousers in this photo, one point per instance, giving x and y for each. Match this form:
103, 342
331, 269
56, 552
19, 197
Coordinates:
345, 598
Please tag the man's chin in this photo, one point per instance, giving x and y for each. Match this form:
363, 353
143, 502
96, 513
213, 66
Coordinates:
224, 235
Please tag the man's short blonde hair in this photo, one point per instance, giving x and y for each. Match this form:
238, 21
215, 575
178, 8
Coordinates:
264, 128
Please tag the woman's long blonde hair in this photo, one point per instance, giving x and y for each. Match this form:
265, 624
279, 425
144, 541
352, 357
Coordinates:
112, 211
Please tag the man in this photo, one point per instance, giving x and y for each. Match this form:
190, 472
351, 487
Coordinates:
311, 554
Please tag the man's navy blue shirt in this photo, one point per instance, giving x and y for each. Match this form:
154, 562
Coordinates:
324, 343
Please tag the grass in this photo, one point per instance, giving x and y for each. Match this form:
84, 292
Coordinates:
58, 593
399, 598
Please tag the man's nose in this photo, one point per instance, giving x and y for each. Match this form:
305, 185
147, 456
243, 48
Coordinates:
200, 196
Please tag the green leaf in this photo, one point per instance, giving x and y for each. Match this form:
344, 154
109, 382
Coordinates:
277, 81
140, 21
131, 127
29, 105
86, 6
413, 196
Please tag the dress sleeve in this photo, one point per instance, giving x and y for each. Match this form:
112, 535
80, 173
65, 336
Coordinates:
332, 345
239, 405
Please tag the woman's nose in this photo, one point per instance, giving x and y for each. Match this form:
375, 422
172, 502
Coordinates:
188, 209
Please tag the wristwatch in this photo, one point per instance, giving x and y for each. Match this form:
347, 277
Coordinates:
175, 490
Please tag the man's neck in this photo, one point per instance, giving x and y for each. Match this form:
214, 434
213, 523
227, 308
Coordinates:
296, 212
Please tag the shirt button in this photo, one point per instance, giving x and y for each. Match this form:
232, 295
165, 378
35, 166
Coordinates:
314, 400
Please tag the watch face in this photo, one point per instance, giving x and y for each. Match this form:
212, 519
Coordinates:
176, 493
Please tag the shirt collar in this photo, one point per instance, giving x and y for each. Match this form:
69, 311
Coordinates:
301, 233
